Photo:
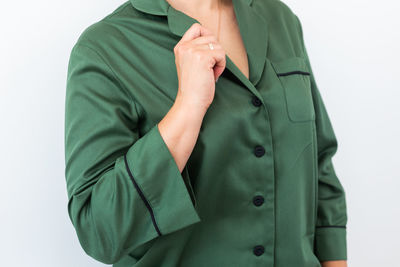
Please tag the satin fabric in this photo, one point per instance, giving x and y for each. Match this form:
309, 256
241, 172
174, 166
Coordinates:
259, 188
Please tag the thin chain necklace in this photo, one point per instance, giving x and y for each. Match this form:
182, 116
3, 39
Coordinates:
219, 15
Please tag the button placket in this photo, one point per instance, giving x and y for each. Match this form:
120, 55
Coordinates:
258, 200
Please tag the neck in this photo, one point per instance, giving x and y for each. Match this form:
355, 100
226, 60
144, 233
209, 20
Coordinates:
198, 6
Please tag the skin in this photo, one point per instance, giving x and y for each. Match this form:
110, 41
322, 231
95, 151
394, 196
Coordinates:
334, 263
198, 68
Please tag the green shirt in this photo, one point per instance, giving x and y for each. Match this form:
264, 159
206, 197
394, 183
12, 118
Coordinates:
259, 188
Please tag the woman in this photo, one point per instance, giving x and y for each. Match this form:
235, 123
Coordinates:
195, 135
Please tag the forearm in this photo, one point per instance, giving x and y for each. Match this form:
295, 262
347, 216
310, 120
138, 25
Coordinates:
334, 263
180, 129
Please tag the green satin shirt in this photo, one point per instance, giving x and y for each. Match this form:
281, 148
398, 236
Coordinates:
259, 188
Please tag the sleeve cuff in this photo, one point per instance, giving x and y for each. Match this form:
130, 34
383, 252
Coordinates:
167, 192
330, 243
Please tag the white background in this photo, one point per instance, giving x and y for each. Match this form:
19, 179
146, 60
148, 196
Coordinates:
354, 51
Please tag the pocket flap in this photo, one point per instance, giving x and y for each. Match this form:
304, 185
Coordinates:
293, 65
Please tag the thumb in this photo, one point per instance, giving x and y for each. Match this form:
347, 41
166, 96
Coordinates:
218, 70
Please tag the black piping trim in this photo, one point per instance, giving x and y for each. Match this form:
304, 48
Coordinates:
336, 226
142, 197
293, 72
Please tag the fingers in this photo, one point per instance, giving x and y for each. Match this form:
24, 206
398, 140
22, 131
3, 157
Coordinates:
219, 62
197, 37
205, 32
205, 40
196, 30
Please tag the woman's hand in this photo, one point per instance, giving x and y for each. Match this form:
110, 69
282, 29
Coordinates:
198, 67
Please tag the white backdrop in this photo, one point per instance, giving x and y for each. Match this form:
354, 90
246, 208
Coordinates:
354, 51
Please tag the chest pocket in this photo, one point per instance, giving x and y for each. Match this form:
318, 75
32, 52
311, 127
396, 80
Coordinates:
295, 79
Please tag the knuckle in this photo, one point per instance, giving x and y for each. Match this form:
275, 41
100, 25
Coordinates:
190, 50
181, 49
199, 56
196, 25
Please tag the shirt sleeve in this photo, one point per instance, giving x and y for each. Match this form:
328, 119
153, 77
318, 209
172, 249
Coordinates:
330, 232
123, 189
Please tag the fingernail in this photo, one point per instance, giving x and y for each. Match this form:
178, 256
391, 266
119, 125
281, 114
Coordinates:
217, 79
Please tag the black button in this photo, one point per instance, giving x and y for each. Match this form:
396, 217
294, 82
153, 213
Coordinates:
259, 151
258, 200
258, 250
256, 101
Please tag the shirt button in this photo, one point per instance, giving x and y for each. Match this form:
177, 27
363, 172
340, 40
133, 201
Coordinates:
256, 101
258, 250
259, 151
258, 200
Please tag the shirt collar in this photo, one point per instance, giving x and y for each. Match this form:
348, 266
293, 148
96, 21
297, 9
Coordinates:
253, 28
158, 7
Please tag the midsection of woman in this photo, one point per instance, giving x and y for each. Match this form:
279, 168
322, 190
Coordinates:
249, 192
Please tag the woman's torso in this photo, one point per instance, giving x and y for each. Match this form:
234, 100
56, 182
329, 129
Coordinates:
257, 141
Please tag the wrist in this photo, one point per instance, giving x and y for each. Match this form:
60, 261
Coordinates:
189, 107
